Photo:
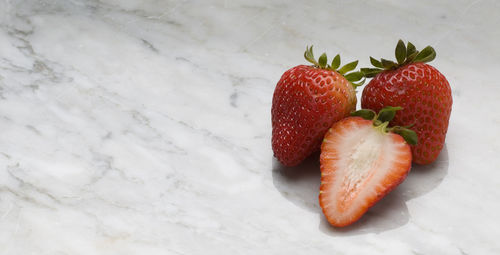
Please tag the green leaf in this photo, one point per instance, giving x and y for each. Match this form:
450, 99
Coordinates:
409, 126
412, 56
348, 67
409, 135
371, 72
365, 114
400, 52
336, 62
410, 49
387, 113
388, 64
322, 60
365, 70
357, 84
376, 63
309, 56
426, 55
354, 76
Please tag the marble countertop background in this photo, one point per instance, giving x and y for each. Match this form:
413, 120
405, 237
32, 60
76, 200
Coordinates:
143, 127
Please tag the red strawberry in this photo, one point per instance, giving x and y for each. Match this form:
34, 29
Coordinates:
361, 161
306, 102
422, 91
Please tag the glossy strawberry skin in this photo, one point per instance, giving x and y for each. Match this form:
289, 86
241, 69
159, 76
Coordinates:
425, 95
306, 102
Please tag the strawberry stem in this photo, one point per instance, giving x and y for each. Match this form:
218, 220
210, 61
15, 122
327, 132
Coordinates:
382, 127
382, 119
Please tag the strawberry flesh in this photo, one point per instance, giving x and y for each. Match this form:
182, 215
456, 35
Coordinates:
360, 164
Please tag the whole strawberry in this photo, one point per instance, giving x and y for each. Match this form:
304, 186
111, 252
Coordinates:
307, 101
422, 91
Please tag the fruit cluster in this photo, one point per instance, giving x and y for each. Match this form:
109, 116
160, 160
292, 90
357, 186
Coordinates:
366, 153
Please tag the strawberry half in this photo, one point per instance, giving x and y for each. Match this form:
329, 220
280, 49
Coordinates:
420, 89
307, 101
361, 161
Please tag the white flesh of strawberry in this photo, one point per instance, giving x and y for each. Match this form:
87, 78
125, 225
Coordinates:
364, 158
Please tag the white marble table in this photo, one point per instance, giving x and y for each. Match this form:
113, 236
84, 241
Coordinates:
143, 127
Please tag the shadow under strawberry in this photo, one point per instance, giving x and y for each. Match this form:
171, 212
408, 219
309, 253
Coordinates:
300, 185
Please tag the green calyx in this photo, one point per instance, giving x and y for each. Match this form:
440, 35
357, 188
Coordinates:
356, 78
404, 55
382, 119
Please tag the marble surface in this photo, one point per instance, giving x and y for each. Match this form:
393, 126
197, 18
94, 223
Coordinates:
143, 127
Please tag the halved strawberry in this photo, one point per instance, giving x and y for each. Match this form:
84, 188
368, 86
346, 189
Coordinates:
361, 161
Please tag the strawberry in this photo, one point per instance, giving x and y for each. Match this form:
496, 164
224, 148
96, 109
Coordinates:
420, 89
307, 100
361, 161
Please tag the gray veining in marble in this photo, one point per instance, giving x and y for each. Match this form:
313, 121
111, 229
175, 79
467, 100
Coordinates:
143, 127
